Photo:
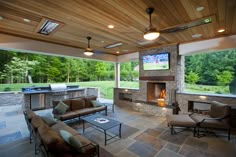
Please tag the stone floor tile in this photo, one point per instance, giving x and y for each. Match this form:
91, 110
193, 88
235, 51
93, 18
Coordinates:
172, 147
189, 151
126, 153
142, 150
10, 137
153, 132
151, 141
178, 138
2, 124
197, 144
167, 153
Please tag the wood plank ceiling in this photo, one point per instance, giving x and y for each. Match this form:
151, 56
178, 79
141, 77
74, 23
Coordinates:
82, 18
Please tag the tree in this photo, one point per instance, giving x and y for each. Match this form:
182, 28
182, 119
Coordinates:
224, 78
17, 70
192, 77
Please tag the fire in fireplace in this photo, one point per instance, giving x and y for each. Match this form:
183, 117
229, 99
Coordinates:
161, 98
156, 92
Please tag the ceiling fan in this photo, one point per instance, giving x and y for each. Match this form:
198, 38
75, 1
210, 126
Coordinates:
151, 33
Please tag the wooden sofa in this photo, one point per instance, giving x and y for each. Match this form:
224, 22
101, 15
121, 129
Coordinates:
78, 107
49, 142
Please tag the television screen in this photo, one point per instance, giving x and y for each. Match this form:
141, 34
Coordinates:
158, 61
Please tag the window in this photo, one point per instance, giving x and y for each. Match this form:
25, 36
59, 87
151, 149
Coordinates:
211, 72
129, 74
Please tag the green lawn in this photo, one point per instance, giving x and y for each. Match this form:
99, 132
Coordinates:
191, 88
106, 87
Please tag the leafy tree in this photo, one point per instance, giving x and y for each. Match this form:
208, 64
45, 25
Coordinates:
224, 78
192, 77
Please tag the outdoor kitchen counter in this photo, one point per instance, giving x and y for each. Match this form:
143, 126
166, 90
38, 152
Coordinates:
49, 91
38, 98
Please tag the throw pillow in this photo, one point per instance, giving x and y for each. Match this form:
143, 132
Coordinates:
74, 142
49, 121
96, 103
65, 135
61, 108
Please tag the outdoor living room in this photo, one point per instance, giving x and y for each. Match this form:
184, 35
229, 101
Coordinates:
136, 78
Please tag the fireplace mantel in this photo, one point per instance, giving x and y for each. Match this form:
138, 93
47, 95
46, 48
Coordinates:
157, 78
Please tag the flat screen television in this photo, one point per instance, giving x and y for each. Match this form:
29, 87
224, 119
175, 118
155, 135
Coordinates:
159, 61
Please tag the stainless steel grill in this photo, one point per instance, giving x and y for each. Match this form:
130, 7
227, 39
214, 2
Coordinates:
58, 89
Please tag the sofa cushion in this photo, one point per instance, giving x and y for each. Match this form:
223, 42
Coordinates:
53, 141
88, 100
61, 108
36, 122
86, 111
30, 114
77, 104
65, 135
74, 142
49, 120
96, 103
62, 126
68, 115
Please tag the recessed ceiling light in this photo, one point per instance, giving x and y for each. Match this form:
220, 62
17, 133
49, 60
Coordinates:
196, 35
26, 20
201, 8
110, 26
117, 51
1, 18
221, 30
102, 41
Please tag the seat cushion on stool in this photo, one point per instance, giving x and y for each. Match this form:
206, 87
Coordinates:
180, 120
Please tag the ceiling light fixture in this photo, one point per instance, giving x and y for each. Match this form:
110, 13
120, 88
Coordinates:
113, 45
110, 26
88, 51
151, 33
26, 20
200, 8
196, 35
221, 30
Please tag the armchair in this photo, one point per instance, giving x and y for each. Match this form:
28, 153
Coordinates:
218, 118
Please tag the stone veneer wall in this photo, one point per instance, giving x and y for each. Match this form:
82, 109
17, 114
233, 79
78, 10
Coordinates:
141, 93
170, 85
183, 99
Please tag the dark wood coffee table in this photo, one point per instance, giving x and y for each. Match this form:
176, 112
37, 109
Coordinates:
105, 124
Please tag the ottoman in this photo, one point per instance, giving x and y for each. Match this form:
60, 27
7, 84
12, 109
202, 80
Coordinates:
181, 121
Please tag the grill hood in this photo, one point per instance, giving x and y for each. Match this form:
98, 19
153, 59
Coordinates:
58, 87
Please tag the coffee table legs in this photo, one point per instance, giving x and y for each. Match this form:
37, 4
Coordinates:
105, 133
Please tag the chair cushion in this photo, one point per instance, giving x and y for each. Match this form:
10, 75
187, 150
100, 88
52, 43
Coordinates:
209, 123
219, 109
61, 108
180, 120
77, 104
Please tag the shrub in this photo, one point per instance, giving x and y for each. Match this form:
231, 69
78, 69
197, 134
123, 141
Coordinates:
7, 89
